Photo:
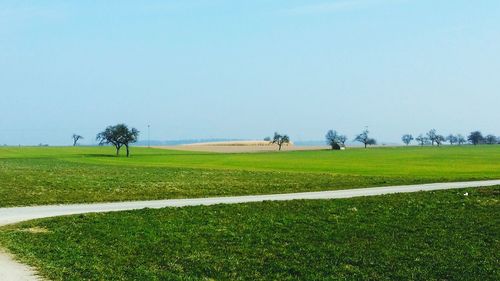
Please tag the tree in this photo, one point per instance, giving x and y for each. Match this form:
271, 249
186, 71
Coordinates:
407, 138
365, 139
490, 139
461, 139
280, 140
267, 139
335, 140
76, 138
342, 139
439, 139
422, 140
475, 138
119, 135
431, 135
452, 139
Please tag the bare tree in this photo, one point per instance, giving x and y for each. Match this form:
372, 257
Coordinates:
335, 140
407, 138
431, 135
475, 138
119, 135
490, 139
461, 139
439, 139
280, 140
452, 139
342, 139
365, 139
422, 140
76, 138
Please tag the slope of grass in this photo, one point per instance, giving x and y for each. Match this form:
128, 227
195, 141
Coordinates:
441, 235
91, 174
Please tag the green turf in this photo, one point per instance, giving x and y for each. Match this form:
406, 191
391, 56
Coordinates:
91, 174
441, 235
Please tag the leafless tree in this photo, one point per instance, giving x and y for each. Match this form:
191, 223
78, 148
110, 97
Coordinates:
76, 138
280, 140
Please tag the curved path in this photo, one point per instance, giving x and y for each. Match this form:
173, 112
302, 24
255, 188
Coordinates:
11, 270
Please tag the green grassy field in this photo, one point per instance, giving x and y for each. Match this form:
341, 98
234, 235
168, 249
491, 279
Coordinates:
441, 235
30, 176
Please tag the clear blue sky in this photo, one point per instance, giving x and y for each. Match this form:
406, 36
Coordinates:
243, 69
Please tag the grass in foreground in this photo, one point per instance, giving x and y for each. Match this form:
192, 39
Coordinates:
441, 235
31, 176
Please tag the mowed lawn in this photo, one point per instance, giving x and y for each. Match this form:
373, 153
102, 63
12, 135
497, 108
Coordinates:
442, 235
49, 175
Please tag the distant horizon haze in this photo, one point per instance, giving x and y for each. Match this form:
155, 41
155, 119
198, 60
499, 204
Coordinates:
243, 70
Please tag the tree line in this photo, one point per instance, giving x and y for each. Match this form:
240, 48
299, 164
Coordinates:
121, 136
433, 138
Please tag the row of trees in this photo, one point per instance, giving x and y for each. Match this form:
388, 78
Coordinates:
337, 141
121, 136
432, 137
333, 139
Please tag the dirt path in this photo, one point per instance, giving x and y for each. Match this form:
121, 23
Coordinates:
11, 270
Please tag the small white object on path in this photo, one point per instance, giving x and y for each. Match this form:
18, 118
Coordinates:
20, 214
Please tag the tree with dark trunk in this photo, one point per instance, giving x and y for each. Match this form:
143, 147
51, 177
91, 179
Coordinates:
280, 140
422, 140
407, 138
76, 138
119, 135
475, 138
365, 139
335, 140
439, 139
432, 135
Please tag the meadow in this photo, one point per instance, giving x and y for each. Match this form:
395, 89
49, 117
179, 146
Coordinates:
442, 235
50, 175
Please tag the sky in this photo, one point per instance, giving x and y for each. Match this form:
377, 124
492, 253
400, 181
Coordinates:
245, 69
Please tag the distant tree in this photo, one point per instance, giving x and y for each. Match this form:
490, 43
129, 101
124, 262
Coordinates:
76, 138
439, 139
452, 139
475, 138
365, 139
280, 140
342, 139
335, 140
490, 139
431, 135
267, 139
371, 142
119, 135
461, 139
407, 138
422, 140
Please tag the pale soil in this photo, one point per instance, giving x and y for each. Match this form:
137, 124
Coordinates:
221, 148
